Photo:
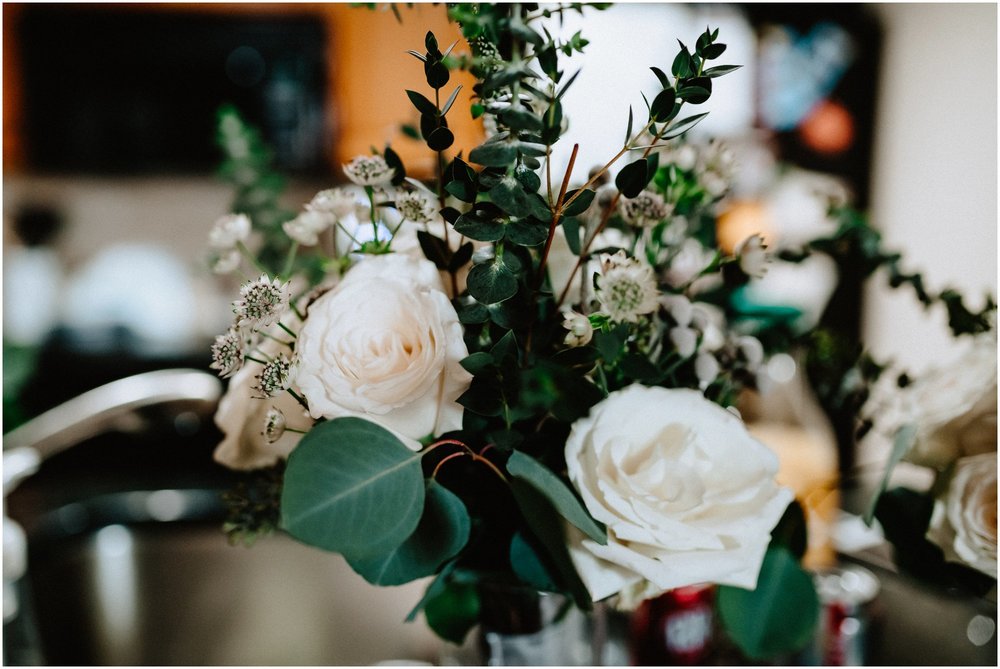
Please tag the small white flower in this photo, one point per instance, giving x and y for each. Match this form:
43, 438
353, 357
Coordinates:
679, 307
369, 171
685, 158
261, 302
645, 209
225, 262
714, 184
339, 202
752, 350
228, 230
416, 206
275, 377
685, 339
753, 256
306, 227
580, 330
274, 425
626, 288
706, 368
227, 353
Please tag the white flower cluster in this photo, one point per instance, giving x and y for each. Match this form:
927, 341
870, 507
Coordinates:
714, 163
645, 209
369, 171
224, 238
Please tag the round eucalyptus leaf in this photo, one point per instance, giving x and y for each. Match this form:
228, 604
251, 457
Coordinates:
353, 488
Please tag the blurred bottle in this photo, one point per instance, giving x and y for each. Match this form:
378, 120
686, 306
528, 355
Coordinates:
676, 628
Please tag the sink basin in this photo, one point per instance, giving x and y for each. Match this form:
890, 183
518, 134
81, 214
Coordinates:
176, 593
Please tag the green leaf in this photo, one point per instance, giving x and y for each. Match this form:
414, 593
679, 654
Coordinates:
510, 196
436, 587
434, 249
494, 154
661, 77
663, 104
431, 44
682, 62
471, 314
462, 256
477, 363
713, 51
720, 70
480, 226
491, 282
682, 126
352, 487
530, 181
483, 396
778, 617
581, 203
565, 87
790, 531
547, 527
440, 139
454, 611
632, 178
436, 73
528, 565
443, 531
901, 445
423, 105
696, 91
527, 232
466, 192
628, 128
476, 110
393, 160
451, 100
505, 350
559, 495
610, 344
520, 119
571, 228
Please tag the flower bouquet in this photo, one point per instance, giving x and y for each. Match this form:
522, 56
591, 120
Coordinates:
507, 378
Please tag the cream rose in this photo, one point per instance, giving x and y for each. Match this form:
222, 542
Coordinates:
386, 345
242, 417
687, 495
964, 522
955, 407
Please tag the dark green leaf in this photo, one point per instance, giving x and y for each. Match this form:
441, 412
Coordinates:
478, 362
527, 178
519, 29
662, 105
423, 105
527, 232
547, 527
713, 51
419, 56
528, 565
633, 178
451, 100
565, 87
483, 396
436, 587
901, 445
548, 61
476, 110
431, 44
682, 62
571, 227
442, 532
440, 139
396, 163
510, 196
491, 282
480, 228
520, 119
720, 70
790, 531
661, 77
778, 617
434, 249
580, 204
639, 368
680, 127
410, 131
494, 154
352, 487
558, 493
628, 129
436, 73
466, 192
553, 123
696, 91
540, 208
453, 612
470, 314
611, 343
462, 256
504, 352
704, 40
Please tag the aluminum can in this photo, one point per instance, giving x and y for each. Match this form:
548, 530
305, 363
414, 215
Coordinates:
846, 594
676, 628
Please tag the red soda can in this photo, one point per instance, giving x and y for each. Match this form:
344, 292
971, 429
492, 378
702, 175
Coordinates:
846, 594
675, 628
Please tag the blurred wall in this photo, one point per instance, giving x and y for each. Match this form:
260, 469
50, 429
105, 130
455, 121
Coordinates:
935, 174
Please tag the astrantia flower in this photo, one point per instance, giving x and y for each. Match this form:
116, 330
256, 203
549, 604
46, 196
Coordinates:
369, 171
337, 201
227, 353
225, 262
275, 377
626, 288
580, 330
274, 425
645, 209
753, 256
261, 302
416, 206
306, 227
228, 230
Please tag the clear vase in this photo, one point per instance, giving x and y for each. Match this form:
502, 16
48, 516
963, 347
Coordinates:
524, 627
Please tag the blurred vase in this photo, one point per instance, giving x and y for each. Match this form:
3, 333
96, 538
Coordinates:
523, 627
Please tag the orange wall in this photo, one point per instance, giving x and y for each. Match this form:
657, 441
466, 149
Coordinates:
368, 70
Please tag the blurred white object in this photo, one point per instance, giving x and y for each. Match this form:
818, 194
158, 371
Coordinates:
806, 286
142, 288
32, 279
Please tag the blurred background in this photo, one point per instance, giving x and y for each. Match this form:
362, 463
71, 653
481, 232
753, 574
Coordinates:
110, 185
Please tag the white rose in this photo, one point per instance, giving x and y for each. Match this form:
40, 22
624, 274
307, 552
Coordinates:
242, 416
955, 408
964, 522
687, 495
386, 345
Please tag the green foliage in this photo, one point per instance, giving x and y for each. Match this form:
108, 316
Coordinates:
760, 621
352, 487
253, 508
19, 363
453, 610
